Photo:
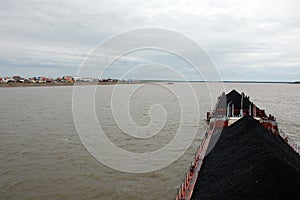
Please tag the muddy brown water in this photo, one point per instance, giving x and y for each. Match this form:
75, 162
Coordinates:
42, 156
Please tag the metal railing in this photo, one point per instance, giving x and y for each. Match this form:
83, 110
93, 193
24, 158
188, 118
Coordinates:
186, 188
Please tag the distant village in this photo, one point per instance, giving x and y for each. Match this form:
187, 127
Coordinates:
60, 80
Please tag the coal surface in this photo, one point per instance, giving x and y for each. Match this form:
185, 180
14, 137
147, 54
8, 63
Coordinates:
249, 162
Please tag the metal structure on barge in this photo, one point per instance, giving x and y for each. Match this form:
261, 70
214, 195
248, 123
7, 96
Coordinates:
229, 108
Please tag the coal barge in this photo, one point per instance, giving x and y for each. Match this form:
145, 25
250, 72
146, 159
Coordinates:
243, 155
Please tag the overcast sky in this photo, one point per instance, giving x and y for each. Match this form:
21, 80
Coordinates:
247, 40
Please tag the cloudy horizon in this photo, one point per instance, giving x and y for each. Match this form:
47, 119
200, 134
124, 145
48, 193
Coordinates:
246, 40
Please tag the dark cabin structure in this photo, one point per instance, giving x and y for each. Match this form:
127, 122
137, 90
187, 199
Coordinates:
235, 104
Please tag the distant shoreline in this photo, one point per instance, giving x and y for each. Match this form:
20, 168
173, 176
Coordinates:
11, 85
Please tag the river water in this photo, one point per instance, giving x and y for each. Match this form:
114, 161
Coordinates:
42, 156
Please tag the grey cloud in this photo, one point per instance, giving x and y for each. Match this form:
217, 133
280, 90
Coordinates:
240, 36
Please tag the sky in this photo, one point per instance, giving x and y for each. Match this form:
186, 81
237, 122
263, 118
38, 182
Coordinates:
246, 40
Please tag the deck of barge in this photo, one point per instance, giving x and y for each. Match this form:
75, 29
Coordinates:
249, 162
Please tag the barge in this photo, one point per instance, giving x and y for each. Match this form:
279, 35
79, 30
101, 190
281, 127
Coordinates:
238, 153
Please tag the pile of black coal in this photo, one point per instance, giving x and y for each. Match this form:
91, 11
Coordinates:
247, 163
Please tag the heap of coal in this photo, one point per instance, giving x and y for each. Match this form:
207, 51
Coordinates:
249, 162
